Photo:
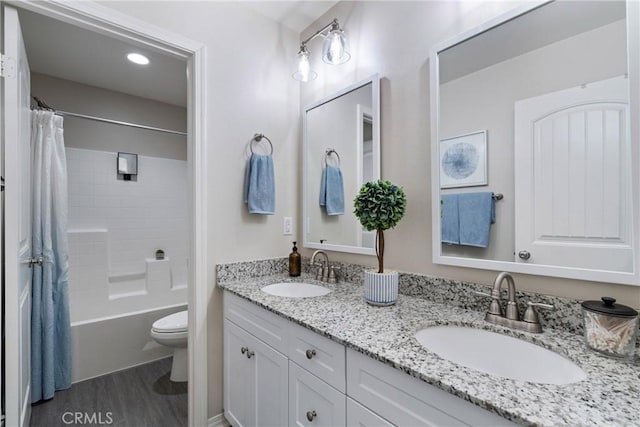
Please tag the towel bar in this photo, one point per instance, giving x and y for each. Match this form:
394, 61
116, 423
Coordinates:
257, 138
498, 196
328, 153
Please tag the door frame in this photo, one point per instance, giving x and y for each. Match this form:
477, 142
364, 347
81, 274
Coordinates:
107, 21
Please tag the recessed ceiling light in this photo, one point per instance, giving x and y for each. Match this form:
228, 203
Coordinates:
137, 58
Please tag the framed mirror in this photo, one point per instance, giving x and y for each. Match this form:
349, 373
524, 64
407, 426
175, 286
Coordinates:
535, 156
341, 152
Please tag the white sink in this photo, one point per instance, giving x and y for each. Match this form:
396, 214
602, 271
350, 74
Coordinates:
295, 290
499, 355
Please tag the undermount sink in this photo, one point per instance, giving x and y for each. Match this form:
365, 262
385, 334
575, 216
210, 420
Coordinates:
499, 355
295, 290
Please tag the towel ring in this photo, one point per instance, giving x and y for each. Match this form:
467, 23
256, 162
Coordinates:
257, 138
328, 153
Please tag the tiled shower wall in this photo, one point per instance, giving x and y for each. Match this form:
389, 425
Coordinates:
115, 228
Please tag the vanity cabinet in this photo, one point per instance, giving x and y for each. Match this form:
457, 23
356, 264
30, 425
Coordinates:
255, 380
358, 415
279, 373
319, 355
407, 401
313, 402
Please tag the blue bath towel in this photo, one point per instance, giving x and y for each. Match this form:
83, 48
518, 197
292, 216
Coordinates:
449, 221
332, 190
259, 185
476, 213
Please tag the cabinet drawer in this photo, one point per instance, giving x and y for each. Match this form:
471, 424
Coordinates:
319, 355
271, 328
312, 402
359, 416
407, 401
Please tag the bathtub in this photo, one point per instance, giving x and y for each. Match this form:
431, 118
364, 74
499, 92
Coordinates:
109, 344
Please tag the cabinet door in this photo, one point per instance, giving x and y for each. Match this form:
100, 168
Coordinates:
312, 402
272, 382
359, 416
255, 380
239, 372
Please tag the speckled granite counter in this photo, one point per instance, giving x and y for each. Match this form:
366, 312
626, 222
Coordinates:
609, 397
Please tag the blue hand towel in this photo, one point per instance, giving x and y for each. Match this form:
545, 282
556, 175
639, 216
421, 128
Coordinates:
259, 185
332, 190
449, 222
476, 213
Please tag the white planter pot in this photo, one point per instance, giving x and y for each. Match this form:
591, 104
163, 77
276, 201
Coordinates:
381, 288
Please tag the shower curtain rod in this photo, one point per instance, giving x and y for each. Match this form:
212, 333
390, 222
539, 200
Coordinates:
42, 105
118, 122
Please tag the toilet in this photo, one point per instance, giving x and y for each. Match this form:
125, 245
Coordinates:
172, 331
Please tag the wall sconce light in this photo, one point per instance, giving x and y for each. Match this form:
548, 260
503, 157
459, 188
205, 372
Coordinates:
335, 50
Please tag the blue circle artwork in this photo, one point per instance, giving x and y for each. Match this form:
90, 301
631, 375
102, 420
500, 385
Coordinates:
460, 160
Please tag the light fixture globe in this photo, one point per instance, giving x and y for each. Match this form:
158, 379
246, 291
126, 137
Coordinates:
304, 73
335, 49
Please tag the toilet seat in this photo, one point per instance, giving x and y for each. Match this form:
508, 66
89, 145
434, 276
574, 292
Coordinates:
173, 323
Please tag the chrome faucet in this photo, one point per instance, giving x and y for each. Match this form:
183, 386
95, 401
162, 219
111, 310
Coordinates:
531, 319
324, 271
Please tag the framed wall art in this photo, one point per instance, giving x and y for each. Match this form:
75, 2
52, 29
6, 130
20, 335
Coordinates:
463, 160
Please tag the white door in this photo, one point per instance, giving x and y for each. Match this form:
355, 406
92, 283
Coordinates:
16, 139
312, 402
572, 178
238, 377
256, 380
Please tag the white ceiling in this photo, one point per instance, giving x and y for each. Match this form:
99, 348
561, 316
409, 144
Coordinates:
68, 52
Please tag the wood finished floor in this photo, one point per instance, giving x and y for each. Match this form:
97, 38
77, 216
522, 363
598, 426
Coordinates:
137, 397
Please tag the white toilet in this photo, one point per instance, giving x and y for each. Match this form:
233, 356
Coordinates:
171, 331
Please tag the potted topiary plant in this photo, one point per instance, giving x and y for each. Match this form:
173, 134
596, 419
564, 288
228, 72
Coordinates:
379, 206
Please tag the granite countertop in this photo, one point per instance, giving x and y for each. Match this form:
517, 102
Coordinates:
610, 396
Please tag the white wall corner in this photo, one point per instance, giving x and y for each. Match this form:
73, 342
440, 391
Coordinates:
218, 421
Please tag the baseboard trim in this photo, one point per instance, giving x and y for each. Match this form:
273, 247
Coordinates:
218, 421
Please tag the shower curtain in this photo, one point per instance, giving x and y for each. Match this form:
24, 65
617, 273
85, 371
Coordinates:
50, 322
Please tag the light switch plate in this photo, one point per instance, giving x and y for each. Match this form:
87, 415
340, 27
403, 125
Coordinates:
287, 226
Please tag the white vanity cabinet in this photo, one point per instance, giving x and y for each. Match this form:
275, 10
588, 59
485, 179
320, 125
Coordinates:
313, 402
256, 370
359, 416
255, 380
278, 373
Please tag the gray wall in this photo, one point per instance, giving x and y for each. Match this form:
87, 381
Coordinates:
78, 98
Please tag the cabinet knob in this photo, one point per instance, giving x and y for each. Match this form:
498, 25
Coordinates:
311, 415
525, 255
243, 350
310, 353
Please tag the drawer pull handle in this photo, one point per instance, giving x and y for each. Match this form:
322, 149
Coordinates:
311, 415
310, 354
249, 353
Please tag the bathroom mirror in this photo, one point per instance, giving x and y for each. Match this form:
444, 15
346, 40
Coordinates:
341, 152
532, 110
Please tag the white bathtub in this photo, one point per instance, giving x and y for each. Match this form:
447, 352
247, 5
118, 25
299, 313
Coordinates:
109, 344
